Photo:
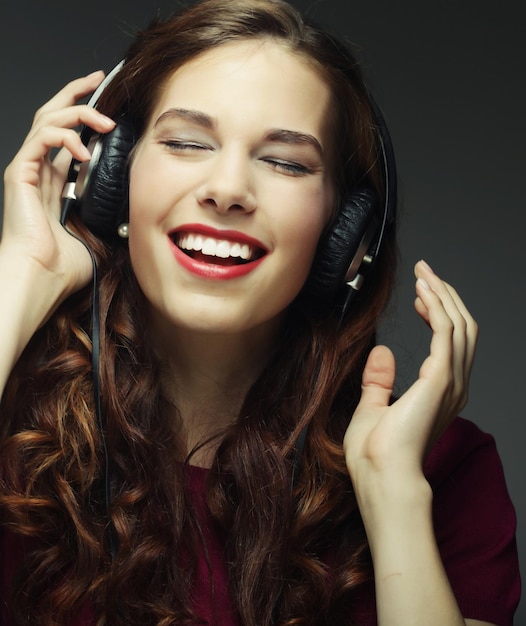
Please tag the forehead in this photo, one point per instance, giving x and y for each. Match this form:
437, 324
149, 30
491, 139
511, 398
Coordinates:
260, 78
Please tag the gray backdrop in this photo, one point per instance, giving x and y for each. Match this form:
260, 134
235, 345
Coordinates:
450, 78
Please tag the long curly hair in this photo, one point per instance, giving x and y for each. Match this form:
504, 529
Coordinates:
279, 530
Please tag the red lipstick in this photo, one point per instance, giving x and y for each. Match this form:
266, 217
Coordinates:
216, 254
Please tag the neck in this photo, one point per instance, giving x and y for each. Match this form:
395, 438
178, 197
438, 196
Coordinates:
207, 376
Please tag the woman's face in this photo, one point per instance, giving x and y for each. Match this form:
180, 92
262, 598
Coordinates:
230, 189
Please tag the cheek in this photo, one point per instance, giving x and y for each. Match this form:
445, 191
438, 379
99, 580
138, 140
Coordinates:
139, 189
307, 223
144, 172
144, 215
147, 180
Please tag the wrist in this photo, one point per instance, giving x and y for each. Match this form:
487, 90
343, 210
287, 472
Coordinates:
395, 504
29, 294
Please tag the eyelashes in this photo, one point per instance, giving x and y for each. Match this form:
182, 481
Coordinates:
290, 168
184, 146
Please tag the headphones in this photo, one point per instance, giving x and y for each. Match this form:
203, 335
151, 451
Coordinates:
98, 191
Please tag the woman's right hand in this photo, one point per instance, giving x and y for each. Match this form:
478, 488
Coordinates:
32, 234
41, 264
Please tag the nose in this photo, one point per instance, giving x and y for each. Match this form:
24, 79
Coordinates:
228, 186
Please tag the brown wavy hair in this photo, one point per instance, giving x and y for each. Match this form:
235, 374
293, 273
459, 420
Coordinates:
279, 532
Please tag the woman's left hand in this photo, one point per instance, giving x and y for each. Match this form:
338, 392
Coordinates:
390, 441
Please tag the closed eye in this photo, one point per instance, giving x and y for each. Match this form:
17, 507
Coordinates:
182, 146
287, 167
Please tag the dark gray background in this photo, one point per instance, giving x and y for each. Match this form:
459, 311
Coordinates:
450, 78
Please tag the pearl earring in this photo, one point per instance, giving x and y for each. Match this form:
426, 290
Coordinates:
124, 230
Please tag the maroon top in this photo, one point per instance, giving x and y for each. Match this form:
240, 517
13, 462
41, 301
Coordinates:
474, 525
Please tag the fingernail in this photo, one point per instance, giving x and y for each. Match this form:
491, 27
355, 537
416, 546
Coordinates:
426, 265
423, 283
107, 121
85, 152
95, 73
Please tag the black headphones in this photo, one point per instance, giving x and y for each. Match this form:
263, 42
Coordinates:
98, 191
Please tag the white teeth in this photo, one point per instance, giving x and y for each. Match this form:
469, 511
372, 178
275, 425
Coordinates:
223, 249
244, 253
215, 247
209, 247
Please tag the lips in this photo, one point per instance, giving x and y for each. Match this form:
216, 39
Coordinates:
212, 253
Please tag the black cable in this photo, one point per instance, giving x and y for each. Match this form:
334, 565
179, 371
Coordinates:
95, 375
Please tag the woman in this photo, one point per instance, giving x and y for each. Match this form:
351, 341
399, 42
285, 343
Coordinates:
223, 479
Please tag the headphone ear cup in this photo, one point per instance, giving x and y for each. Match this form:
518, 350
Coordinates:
343, 246
104, 202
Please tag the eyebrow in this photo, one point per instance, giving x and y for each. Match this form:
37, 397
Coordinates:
197, 117
280, 135
277, 135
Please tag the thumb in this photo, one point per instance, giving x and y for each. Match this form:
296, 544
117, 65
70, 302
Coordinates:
378, 377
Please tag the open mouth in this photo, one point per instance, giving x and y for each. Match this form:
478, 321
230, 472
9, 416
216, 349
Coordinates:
216, 251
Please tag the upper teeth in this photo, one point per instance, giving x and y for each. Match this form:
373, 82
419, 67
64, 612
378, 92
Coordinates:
215, 247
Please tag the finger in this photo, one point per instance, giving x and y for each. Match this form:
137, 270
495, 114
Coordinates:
53, 177
445, 366
59, 170
71, 93
26, 166
472, 329
465, 329
421, 309
378, 377
441, 348
459, 316
71, 117
443, 291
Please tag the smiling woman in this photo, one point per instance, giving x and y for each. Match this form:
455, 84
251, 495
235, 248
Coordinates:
235, 456
254, 175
